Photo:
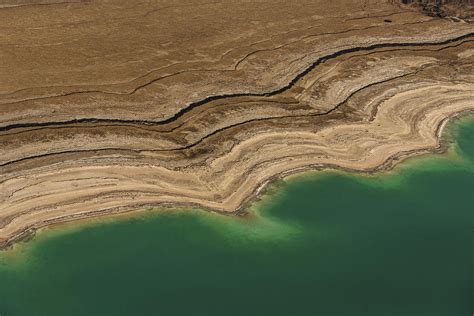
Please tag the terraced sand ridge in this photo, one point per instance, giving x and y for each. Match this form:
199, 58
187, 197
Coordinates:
116, 106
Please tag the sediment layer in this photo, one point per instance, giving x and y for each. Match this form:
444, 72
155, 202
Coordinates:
108, 108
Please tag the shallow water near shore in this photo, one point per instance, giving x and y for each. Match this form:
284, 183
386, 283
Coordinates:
325, 243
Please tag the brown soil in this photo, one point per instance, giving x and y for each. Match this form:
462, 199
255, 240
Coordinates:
112, 106
457, 10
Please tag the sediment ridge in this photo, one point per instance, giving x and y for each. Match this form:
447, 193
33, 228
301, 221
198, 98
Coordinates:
209, 120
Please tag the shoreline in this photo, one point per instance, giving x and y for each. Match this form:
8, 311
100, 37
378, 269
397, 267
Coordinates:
389, 164
261, 190
359, 95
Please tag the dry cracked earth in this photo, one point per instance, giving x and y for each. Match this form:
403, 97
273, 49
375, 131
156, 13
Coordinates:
114, 106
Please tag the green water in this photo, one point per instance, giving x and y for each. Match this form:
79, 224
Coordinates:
328, 243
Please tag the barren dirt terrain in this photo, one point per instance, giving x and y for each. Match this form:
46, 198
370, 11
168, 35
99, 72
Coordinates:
113, 106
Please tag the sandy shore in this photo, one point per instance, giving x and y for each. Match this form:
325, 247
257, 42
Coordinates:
210, 120
389, 163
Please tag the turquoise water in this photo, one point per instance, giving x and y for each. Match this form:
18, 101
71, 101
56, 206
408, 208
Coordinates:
326, 243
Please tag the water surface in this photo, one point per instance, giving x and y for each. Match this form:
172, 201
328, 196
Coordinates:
326, 243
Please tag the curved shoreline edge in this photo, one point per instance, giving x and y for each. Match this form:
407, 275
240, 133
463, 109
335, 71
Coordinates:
204, 113
388, 164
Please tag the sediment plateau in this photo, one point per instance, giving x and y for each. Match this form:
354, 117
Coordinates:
113, 106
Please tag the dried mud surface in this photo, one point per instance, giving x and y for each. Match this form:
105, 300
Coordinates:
113, 106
